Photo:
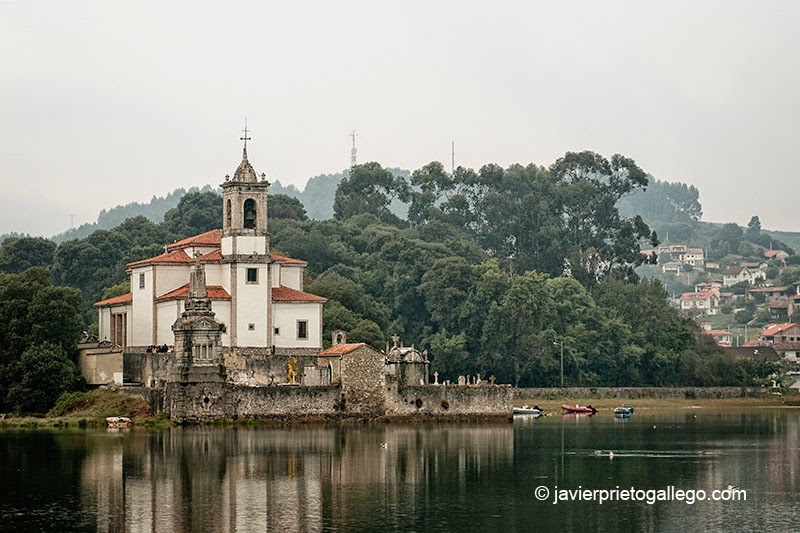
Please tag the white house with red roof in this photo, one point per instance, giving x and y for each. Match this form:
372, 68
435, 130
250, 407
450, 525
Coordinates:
706, 301
258, 295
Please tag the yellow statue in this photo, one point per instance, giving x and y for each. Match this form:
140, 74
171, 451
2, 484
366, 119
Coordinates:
291, 373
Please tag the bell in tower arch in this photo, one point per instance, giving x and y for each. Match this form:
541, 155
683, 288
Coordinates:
250, 213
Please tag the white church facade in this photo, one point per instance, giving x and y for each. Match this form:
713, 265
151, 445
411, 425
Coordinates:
257, 295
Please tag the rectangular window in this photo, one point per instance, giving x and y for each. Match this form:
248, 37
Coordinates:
252, 275
277, 331
251, 327
141, 281
302, 329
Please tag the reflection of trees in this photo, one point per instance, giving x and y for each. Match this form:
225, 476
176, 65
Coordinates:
420, 477
295, 479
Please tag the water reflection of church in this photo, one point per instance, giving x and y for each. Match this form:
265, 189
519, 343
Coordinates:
299, 479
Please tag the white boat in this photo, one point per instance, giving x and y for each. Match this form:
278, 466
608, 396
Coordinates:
118, 422
623, 411
526, 410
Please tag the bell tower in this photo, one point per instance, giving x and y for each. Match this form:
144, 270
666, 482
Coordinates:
245, 248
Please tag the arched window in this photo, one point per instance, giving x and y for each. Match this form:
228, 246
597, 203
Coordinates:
250, 213
228, 213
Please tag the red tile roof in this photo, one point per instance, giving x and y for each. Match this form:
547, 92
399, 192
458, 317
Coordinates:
287, 294
287, 260
784, 346
774, 329
341, 349
773, 253
211, 257
176, 256
116, 300
215, 292
209, 238
699, 295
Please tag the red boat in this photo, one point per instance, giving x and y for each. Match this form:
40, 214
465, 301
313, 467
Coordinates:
578, 409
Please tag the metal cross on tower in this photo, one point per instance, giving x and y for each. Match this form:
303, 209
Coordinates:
245, 130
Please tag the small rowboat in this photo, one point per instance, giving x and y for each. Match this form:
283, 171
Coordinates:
625, 410
118, 422
526, 410
588, 409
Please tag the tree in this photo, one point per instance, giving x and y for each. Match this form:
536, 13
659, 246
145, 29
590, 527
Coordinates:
283, 206
368, 189
753, 228
197, 212
39, 377
18, 254
446, 287
368, 332
513, 331
595, 239
34, 314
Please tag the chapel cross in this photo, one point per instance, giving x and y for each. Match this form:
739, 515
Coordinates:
395, 338
245, 130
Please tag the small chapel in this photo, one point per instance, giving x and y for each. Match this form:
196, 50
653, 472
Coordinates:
258, 296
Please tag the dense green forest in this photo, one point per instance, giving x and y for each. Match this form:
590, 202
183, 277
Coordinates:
492, 270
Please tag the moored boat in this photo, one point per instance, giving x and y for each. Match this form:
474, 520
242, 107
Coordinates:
526, 410
118, 422
587, 409
625, 410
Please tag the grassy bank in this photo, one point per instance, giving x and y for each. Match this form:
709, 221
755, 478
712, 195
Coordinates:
88, 410
657, 403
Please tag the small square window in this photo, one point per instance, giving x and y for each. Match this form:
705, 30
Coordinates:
141, 281
302, 329
251, 327
252, 275
277, 331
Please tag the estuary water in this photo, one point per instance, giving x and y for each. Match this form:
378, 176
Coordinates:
420, 477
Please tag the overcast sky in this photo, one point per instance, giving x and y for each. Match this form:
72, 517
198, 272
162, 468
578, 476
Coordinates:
105, 103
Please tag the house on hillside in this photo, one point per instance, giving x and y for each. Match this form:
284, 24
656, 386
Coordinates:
776, 254
706, 301
789, 351
781, 309
679, 255
710, 284
785, 332
721, 337
742, 273
771, 294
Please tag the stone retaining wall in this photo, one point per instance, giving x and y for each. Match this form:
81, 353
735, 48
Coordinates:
444, 401
209, 402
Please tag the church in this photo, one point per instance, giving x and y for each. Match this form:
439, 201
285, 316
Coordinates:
258, 296
219, 328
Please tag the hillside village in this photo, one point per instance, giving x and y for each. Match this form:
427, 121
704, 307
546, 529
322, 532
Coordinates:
742, 302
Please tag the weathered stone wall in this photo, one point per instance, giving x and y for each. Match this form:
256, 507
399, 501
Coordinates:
451, 401
154, 369
100, 366
638, 392
208, 402
263, 369
363, 381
